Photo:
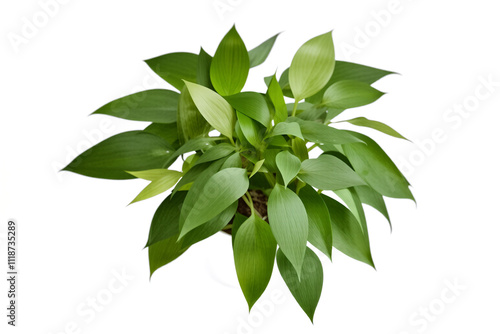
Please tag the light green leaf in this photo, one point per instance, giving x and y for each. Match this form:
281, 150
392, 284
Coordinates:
323, 134
254, 252
230, 64
158, 186
214, 108
175, 67
351, 199
350, 94
216, 152
259, 54
151, 174
190, 122
289, 223
376, 168
220, 191
350, 71
127, 151
165, 223
276, 95
155, 105
257, 167
320, 228
329, 173
251, 104
312, 66
288, 165
307, 288
250, 130
362, 121
287, 128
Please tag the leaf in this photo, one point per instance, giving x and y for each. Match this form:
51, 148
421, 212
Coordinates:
276, 95
253, 105
175, 67
214, 108
369, 196
350, 71
362, 121
312, 66
376, 168
230, 64
199, 174
203, 70
284, 84
151, 174
257, 167
289, 223
287, 128
127, 151
164, 252
329, 173
323, 134
351, 199
220, 191
347, 234
288, 165
158, 185
259, 54
254, 252
350, 94
155, 105
196, 144
233, 161
190, 122
165, 223
299, 148
306, 289
211, 227
216, 152
166, 131
249, 129
238, 220
320, 228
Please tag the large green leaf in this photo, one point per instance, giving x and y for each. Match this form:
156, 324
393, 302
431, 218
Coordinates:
350, 71
165, 223
219, 192
287, 128
216, 152
217, 111
320, 228
164, 252
190, 122
230, 64
158, 185
376, 168
211, 227
350, 94
289, 223
362, 121
369, 196
175, 67
312, 66
203, 71
253, 105
128, 151
306, 289
347, 234
166, 131
259, 54
250, 129
322, 133
254, 252
155, 105
238, 220
276, 95
288, 165
329, 173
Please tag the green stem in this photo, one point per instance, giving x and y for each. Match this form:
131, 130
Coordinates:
295, 108
248, 200
312, 147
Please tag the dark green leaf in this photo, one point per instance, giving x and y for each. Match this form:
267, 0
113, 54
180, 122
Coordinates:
323, 134
216, 152
276, 95
164, 252
191, 124
175, 67
369, 196
362, 121
250, 130
259, 54
166, 131
300, 149
203, 72
253, 105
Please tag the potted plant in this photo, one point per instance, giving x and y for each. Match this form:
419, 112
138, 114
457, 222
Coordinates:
254, 178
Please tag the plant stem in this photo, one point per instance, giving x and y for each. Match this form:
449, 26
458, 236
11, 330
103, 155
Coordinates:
312, 147
295, 108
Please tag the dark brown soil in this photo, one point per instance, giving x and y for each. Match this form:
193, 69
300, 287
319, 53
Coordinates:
259, 203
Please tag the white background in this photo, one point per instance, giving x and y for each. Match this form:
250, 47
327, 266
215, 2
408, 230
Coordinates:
76, 233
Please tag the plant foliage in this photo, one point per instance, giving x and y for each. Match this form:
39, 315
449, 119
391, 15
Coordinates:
255, 179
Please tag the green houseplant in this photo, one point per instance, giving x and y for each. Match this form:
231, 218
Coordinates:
254, 178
